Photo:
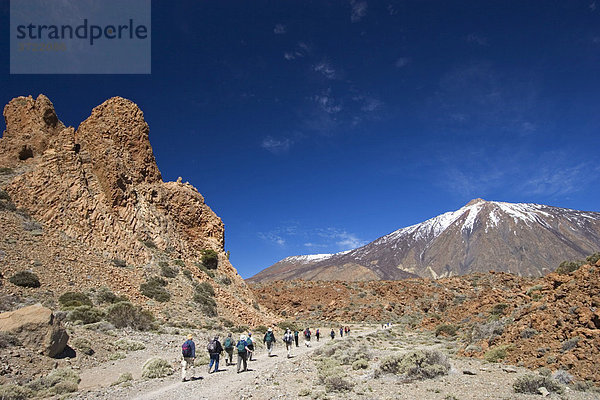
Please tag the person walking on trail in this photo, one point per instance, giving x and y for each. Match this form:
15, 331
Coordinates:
269, 340
307, 335
296, 337
332, 334
341, 332
214, 350
347, 331
250, 344
242, 353
229, 345
188, 351
288, 339
317, 334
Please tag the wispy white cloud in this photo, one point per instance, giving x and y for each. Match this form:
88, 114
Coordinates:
402, 62
279, 29
477, 39
554, 180
325, 69
359, 10
593, 6
276, 146
300, 51
343, 239
327, 102
272, 238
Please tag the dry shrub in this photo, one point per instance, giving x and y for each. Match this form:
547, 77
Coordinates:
531, 383
157, 368
417, 365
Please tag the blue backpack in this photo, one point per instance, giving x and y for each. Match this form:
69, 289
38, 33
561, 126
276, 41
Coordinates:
241, 346
186, 349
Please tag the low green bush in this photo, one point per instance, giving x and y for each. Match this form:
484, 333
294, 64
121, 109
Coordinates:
168, 271
74, 299
105, 296
593, 259
188, 274
85, 314
83, 345
203, 296
124, 377
566, 267
154, 288
210, 259
360, 364
59, 381
446, 330
125, 314
498, 309
416, 365
25, 279
15, 392
497, 353
129, 345
531, 383
157, 368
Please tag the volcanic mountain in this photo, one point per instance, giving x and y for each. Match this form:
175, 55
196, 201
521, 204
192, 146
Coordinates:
523, 239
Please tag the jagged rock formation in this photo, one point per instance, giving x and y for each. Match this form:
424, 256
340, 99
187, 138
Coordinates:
98, 191
524, 239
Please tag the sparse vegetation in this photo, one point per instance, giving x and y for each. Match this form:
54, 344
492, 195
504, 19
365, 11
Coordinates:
129, 345
124, 377
420, 364
59, 381
168, 271
566, 267
70, 300
188, 274
117, 262
531, 383
154, 288
149, 244
203, 295
6, 203
85, 314
15, 392
83, 345
125, 314
570, 344
498, 309
593, 259
105, 296
446, 330
25, 279
210, 259
156, 368
497, 353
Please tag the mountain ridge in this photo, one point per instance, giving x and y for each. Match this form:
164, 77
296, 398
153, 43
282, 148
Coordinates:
522, 238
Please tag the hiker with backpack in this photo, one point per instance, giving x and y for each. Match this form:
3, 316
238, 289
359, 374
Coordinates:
296, 337
332, 334
229, 345
188, 351
288, 339
269, 340
250, 344
307, 335
242, 353
341, 332
317, 334
214, 350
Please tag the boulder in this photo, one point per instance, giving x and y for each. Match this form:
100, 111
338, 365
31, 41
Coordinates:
37, 329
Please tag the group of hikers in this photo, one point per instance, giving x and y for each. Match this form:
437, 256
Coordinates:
244, 348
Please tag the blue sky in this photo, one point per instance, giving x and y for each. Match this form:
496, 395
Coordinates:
318, 126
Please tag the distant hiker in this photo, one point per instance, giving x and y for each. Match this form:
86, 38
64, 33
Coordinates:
347, 331
214, 350
317, 334
269, 339
341, 332
250, 344
229, 345
332, 334
242, 353
296, 337
307, 335
188, 351
288, 339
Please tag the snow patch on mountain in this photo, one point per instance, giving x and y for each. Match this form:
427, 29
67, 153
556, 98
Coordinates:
312, 258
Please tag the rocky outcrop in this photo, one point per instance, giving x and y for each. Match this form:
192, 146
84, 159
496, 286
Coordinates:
100, 199
36, 328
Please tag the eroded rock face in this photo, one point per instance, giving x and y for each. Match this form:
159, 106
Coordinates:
100, 184
37, 329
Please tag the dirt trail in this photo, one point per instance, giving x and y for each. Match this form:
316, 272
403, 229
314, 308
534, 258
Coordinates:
226, 383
